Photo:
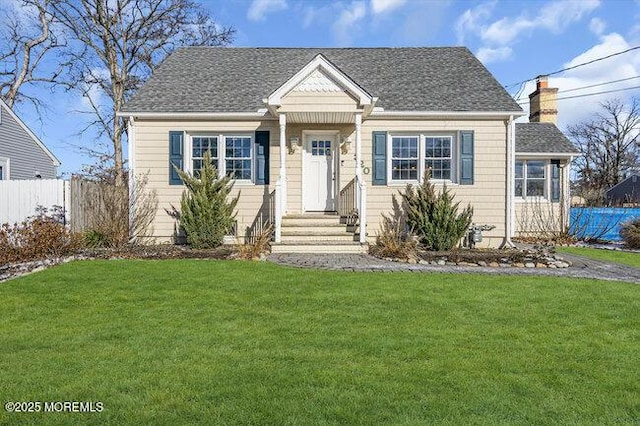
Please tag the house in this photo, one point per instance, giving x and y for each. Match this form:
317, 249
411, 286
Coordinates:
320, 140
625, 192
22, 154
542, 158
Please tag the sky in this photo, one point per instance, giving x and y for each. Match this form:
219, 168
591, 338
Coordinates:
515, 40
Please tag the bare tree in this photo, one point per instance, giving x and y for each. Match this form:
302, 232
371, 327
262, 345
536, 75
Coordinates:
609, 146
25, 39
118, 44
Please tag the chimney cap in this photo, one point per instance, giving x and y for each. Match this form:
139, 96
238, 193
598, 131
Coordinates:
542, 81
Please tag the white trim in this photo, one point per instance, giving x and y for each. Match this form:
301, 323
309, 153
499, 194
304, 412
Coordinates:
543, 155
6, 168
21, 123
320, 63
261, 114
336, 162
376, 114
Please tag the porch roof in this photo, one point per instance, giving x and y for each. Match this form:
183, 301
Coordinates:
222, 80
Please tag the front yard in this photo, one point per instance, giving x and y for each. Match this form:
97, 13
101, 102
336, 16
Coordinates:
230, 342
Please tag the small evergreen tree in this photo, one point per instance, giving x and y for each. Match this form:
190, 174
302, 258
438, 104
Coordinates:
206, 214
433, 217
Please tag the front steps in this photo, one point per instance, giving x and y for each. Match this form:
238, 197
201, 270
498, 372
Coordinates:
317, 233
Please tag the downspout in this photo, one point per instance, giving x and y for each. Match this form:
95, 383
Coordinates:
511, 160
132, 184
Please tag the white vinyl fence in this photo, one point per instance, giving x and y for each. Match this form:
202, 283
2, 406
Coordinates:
20, 198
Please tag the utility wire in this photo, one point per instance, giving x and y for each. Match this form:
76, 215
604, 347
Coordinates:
590, 94
588, 87
577, 66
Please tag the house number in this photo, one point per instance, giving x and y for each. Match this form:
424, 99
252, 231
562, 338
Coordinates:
365, 170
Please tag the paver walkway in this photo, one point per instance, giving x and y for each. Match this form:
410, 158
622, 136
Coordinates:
582, 266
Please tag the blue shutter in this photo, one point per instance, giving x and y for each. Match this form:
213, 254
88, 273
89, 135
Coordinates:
176, 156
555, 180
261, 149
379, 158
466, 158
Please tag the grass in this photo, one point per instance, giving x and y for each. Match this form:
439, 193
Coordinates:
230, 342
615, 256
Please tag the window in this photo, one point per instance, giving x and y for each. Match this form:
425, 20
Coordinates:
4, 168
200, 145
231, 154
530, 178
438, 156
321, 148
404, 157
238, 157
410, 155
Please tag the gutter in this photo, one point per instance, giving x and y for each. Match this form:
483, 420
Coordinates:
261, 114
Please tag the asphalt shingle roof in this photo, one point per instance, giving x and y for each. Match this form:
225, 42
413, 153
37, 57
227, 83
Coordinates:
219, 79
542, 137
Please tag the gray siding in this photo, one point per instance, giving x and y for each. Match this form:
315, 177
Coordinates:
25, 155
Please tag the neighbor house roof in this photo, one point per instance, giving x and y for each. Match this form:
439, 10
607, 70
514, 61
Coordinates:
26, 128
542, 138
220, 79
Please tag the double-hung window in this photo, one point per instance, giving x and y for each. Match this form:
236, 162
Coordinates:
404, 157
200, 145
412, 155
438, 156
530, 178
238, 157
232, 155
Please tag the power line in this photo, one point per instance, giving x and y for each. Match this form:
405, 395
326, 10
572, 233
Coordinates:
591, 94
588, 87
576, 66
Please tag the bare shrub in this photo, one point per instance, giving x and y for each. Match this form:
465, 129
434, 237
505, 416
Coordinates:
394, 241
630, 233
541, 220
116, 218
261, 244
41, 236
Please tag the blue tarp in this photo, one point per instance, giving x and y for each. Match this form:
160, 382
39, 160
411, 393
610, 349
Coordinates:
601, 223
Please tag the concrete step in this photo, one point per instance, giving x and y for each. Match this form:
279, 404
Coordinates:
315, 230
311, 221
315, 247
320, 239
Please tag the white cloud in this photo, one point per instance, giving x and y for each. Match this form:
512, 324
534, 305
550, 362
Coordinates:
381, 6
260, 8
555, 17
487, 54
597, 26
346, 24
471, 20
499, 35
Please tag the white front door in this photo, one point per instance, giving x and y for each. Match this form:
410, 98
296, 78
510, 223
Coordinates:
319, 174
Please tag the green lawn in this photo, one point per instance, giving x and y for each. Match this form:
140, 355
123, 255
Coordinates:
230, 342
616, 256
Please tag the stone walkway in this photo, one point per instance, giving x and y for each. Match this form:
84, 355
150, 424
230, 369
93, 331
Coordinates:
581, 266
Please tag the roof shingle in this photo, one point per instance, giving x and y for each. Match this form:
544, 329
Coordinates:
542, 137
218, 79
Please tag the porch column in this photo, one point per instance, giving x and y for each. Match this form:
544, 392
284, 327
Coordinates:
358, 168
283, 158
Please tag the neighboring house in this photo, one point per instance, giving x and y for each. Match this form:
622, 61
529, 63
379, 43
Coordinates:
320, 140
22, 154
625, 192
542, 158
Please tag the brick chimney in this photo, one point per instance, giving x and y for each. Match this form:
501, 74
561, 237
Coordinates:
543, 103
